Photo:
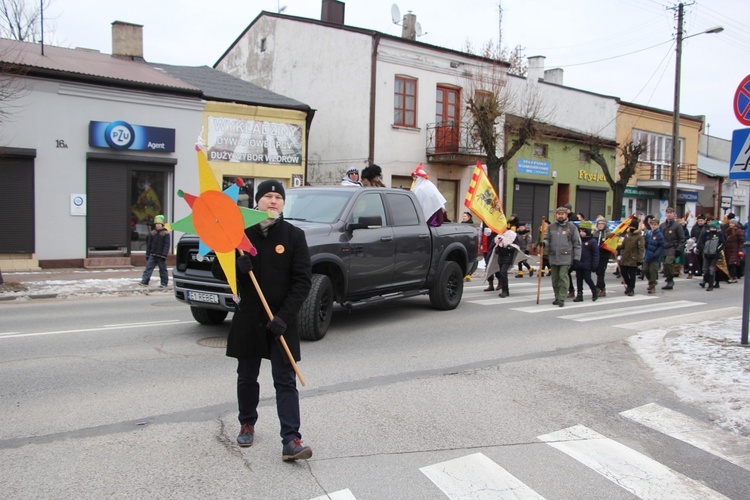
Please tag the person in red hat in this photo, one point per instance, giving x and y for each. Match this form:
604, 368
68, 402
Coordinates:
432, 201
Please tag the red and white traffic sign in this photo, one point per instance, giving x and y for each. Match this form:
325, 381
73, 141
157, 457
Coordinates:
741, 103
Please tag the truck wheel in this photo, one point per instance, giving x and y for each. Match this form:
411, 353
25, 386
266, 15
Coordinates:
446, 292
314, 316
208, 316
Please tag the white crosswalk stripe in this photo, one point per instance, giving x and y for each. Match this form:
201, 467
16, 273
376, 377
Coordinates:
637, 473
631, 311
476, 476
694, 432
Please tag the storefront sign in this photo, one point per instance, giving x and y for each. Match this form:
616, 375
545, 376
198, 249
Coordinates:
253, 141
636, 192
687, 195
123, 135
583, 175
534, 167
726, 202
77, 204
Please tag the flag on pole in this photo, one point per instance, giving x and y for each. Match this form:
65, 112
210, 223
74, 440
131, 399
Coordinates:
610, 244
484, 202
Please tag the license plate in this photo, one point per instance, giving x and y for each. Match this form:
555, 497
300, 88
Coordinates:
211, 298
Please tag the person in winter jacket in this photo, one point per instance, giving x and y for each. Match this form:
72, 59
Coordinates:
372, 176
351, 178
692, 266
735, 239
488, 245
674, 243
544, 264
654, 244
524, 244
710, 247
282, 269
157, 248
633, 247
506, 248
601, 233
589, 262
699, 229
563, 246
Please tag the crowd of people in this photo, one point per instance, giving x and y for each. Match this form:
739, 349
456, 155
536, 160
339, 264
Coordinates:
710, 249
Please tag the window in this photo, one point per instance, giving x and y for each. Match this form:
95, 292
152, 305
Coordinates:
262, 44
658, 152
405, 102
540, 150
584, 156
403, 210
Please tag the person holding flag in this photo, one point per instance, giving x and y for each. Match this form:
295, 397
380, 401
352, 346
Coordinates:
601, 233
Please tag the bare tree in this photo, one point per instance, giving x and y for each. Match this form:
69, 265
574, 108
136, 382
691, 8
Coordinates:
489, 98
630, 152
21, 19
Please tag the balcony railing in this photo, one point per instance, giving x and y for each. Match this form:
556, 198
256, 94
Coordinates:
660, 171
449, 142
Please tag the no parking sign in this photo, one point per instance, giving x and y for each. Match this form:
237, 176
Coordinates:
741, 102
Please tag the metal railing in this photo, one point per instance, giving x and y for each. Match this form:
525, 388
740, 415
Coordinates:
660, 171
453, 138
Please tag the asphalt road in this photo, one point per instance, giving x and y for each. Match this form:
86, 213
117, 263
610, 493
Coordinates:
122, 397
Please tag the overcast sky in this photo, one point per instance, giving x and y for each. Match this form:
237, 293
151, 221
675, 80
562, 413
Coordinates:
622, 48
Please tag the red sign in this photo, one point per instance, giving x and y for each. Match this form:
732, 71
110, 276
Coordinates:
741, 102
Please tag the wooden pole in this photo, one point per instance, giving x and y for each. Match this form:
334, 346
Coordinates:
270, 318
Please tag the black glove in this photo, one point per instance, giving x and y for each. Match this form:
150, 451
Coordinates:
541, 244
276, 326
244, 264
576, 263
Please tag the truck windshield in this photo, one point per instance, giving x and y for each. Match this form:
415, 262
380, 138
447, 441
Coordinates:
315, 206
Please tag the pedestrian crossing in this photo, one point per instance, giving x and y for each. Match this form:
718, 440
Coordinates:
523, 298
476, 476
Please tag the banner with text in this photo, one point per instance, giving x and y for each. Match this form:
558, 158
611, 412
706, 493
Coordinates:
253, 141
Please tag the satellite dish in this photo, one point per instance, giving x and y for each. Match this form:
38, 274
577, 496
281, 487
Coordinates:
418, 29
395, 14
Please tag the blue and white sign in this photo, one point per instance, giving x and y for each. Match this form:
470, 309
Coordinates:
534, 167
739, 163
77, 204
122, 135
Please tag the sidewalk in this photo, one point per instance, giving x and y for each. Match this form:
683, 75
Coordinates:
77, 282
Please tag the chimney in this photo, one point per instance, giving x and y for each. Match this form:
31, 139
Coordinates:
535, 71
554, 75
127, 40
409, 26
332, 11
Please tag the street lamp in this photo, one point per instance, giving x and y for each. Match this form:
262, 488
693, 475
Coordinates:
676, 113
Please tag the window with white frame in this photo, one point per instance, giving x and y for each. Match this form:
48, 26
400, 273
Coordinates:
658, 152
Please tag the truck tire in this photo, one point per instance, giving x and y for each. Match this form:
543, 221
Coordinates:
208, 316
446, 291
314, 316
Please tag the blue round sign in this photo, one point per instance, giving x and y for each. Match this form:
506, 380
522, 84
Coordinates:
119, 135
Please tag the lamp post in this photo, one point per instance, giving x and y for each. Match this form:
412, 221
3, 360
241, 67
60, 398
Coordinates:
676, 112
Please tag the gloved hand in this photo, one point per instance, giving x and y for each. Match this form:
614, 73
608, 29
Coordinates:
244, 264
276, 326
541, 245
576, 263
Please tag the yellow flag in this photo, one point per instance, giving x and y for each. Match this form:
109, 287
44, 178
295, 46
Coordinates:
484, 202
610, 244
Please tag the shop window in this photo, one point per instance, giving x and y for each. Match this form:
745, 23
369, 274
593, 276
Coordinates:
147, 200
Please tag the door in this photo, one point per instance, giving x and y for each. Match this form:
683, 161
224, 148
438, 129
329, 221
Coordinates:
371, 250
413, 247
447, 114
531, 203
17, 220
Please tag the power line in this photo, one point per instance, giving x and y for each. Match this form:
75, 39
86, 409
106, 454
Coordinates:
613, 57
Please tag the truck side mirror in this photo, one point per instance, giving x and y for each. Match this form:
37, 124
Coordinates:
369, 222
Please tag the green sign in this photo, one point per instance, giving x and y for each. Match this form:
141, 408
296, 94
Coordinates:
636, 192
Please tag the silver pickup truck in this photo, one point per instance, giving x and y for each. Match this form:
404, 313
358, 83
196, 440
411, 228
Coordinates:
367, 246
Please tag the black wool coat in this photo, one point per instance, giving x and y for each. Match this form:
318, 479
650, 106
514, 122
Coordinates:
282, 269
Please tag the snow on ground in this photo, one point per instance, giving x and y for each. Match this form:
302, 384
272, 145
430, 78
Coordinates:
702, 363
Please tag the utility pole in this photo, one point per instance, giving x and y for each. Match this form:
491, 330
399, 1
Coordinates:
676, 113
500, 28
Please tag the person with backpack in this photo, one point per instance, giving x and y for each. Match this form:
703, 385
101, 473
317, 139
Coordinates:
711, 245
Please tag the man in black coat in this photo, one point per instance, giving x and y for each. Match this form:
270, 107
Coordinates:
674, 244
282, 269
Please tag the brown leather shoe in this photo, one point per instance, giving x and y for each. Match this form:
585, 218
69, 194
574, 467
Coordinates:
490, 288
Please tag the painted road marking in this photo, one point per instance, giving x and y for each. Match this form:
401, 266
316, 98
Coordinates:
637, 473
707, 437
635, 310
476, 476
96, 329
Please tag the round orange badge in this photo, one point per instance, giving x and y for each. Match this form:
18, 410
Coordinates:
279, 249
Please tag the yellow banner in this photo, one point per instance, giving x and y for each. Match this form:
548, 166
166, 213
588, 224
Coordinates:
484, 202
610, 244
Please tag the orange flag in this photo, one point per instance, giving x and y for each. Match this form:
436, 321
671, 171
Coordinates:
484, 202
610, 244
